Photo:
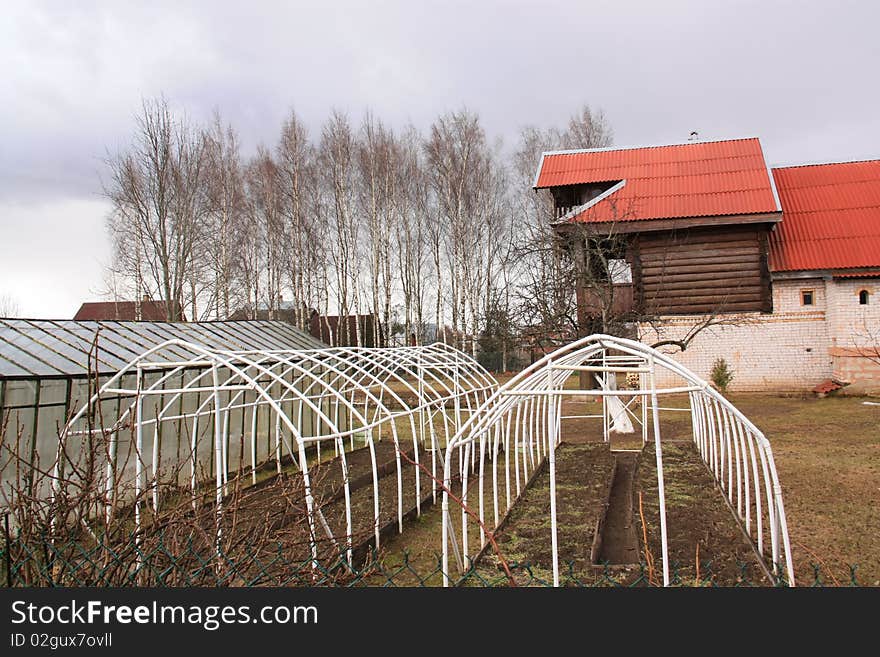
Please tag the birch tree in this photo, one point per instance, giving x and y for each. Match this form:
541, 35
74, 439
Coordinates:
264, 208
412, 235
301, 208
380, 202
226, 205
336, 153
158, 208
467, 183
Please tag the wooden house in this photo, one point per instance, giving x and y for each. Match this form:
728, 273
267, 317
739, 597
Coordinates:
707, 229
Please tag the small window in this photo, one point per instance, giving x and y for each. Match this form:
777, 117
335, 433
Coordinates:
807, 298
863, 297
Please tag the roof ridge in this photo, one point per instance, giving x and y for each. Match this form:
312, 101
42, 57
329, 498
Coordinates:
822, 164
576, 151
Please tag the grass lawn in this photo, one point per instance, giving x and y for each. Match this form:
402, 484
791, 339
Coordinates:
827, 453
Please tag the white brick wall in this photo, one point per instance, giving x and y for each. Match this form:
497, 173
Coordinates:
787, 295
795, 347
851, 323
779, 351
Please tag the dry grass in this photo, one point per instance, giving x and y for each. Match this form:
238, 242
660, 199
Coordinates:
827, 453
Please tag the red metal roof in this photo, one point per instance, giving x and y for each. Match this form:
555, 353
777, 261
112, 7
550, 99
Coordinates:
858, 274
151, 311
831, 217
694, 179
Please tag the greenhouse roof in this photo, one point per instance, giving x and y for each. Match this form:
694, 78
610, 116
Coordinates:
32, 348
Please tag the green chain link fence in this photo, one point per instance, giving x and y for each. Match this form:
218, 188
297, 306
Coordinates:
46, 562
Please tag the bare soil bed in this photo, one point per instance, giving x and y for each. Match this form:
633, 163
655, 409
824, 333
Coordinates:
275, 507
583, 479
706, 545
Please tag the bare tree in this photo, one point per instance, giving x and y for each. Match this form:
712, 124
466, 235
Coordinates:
336, 155
588, 128
379, 159
545, 276
307, 239
362, 219
158, 208
412, 235
9, 306
224, 188
265, 214
865, 339
467, 183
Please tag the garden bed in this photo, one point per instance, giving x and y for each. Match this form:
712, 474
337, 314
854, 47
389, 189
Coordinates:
583, 482
705, 542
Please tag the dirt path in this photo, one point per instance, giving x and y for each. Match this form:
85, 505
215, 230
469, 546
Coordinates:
619, 541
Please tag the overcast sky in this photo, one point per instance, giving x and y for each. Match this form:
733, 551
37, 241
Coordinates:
803, 76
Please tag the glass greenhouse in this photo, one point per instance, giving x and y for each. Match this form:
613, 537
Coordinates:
50, 368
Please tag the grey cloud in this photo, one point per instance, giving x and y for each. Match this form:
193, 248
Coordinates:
798, 74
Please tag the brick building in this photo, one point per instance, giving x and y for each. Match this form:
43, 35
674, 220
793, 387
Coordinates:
788, 259
144, 310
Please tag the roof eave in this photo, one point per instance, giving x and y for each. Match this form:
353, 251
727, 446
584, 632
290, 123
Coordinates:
670, 223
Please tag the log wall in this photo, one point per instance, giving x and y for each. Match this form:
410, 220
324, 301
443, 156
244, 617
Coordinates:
702, 270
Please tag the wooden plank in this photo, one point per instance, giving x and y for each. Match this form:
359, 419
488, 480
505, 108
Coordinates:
734, 263
733, 259
680, 247
713, 299
665, 225
636, 267
707, 279
751, 292
704, 251
696, 279
751, 284
691, 257
704, 236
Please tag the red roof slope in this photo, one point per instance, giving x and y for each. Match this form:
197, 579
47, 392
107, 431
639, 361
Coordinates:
151, 311
831, 217
694, 179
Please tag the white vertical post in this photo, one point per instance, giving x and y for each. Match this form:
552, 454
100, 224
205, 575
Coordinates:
278, 443
643, 400
218, 453
111, 477
434, 449
226, 448
193, 459
660, 487
464, 502
421, 384
551, 457
154, 484
139, 463
606, 434
254, 441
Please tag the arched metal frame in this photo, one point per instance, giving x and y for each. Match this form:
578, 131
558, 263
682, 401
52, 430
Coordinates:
350, 393
520, 426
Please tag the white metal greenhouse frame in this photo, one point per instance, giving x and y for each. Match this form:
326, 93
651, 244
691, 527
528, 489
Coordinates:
520, 426
354, 395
